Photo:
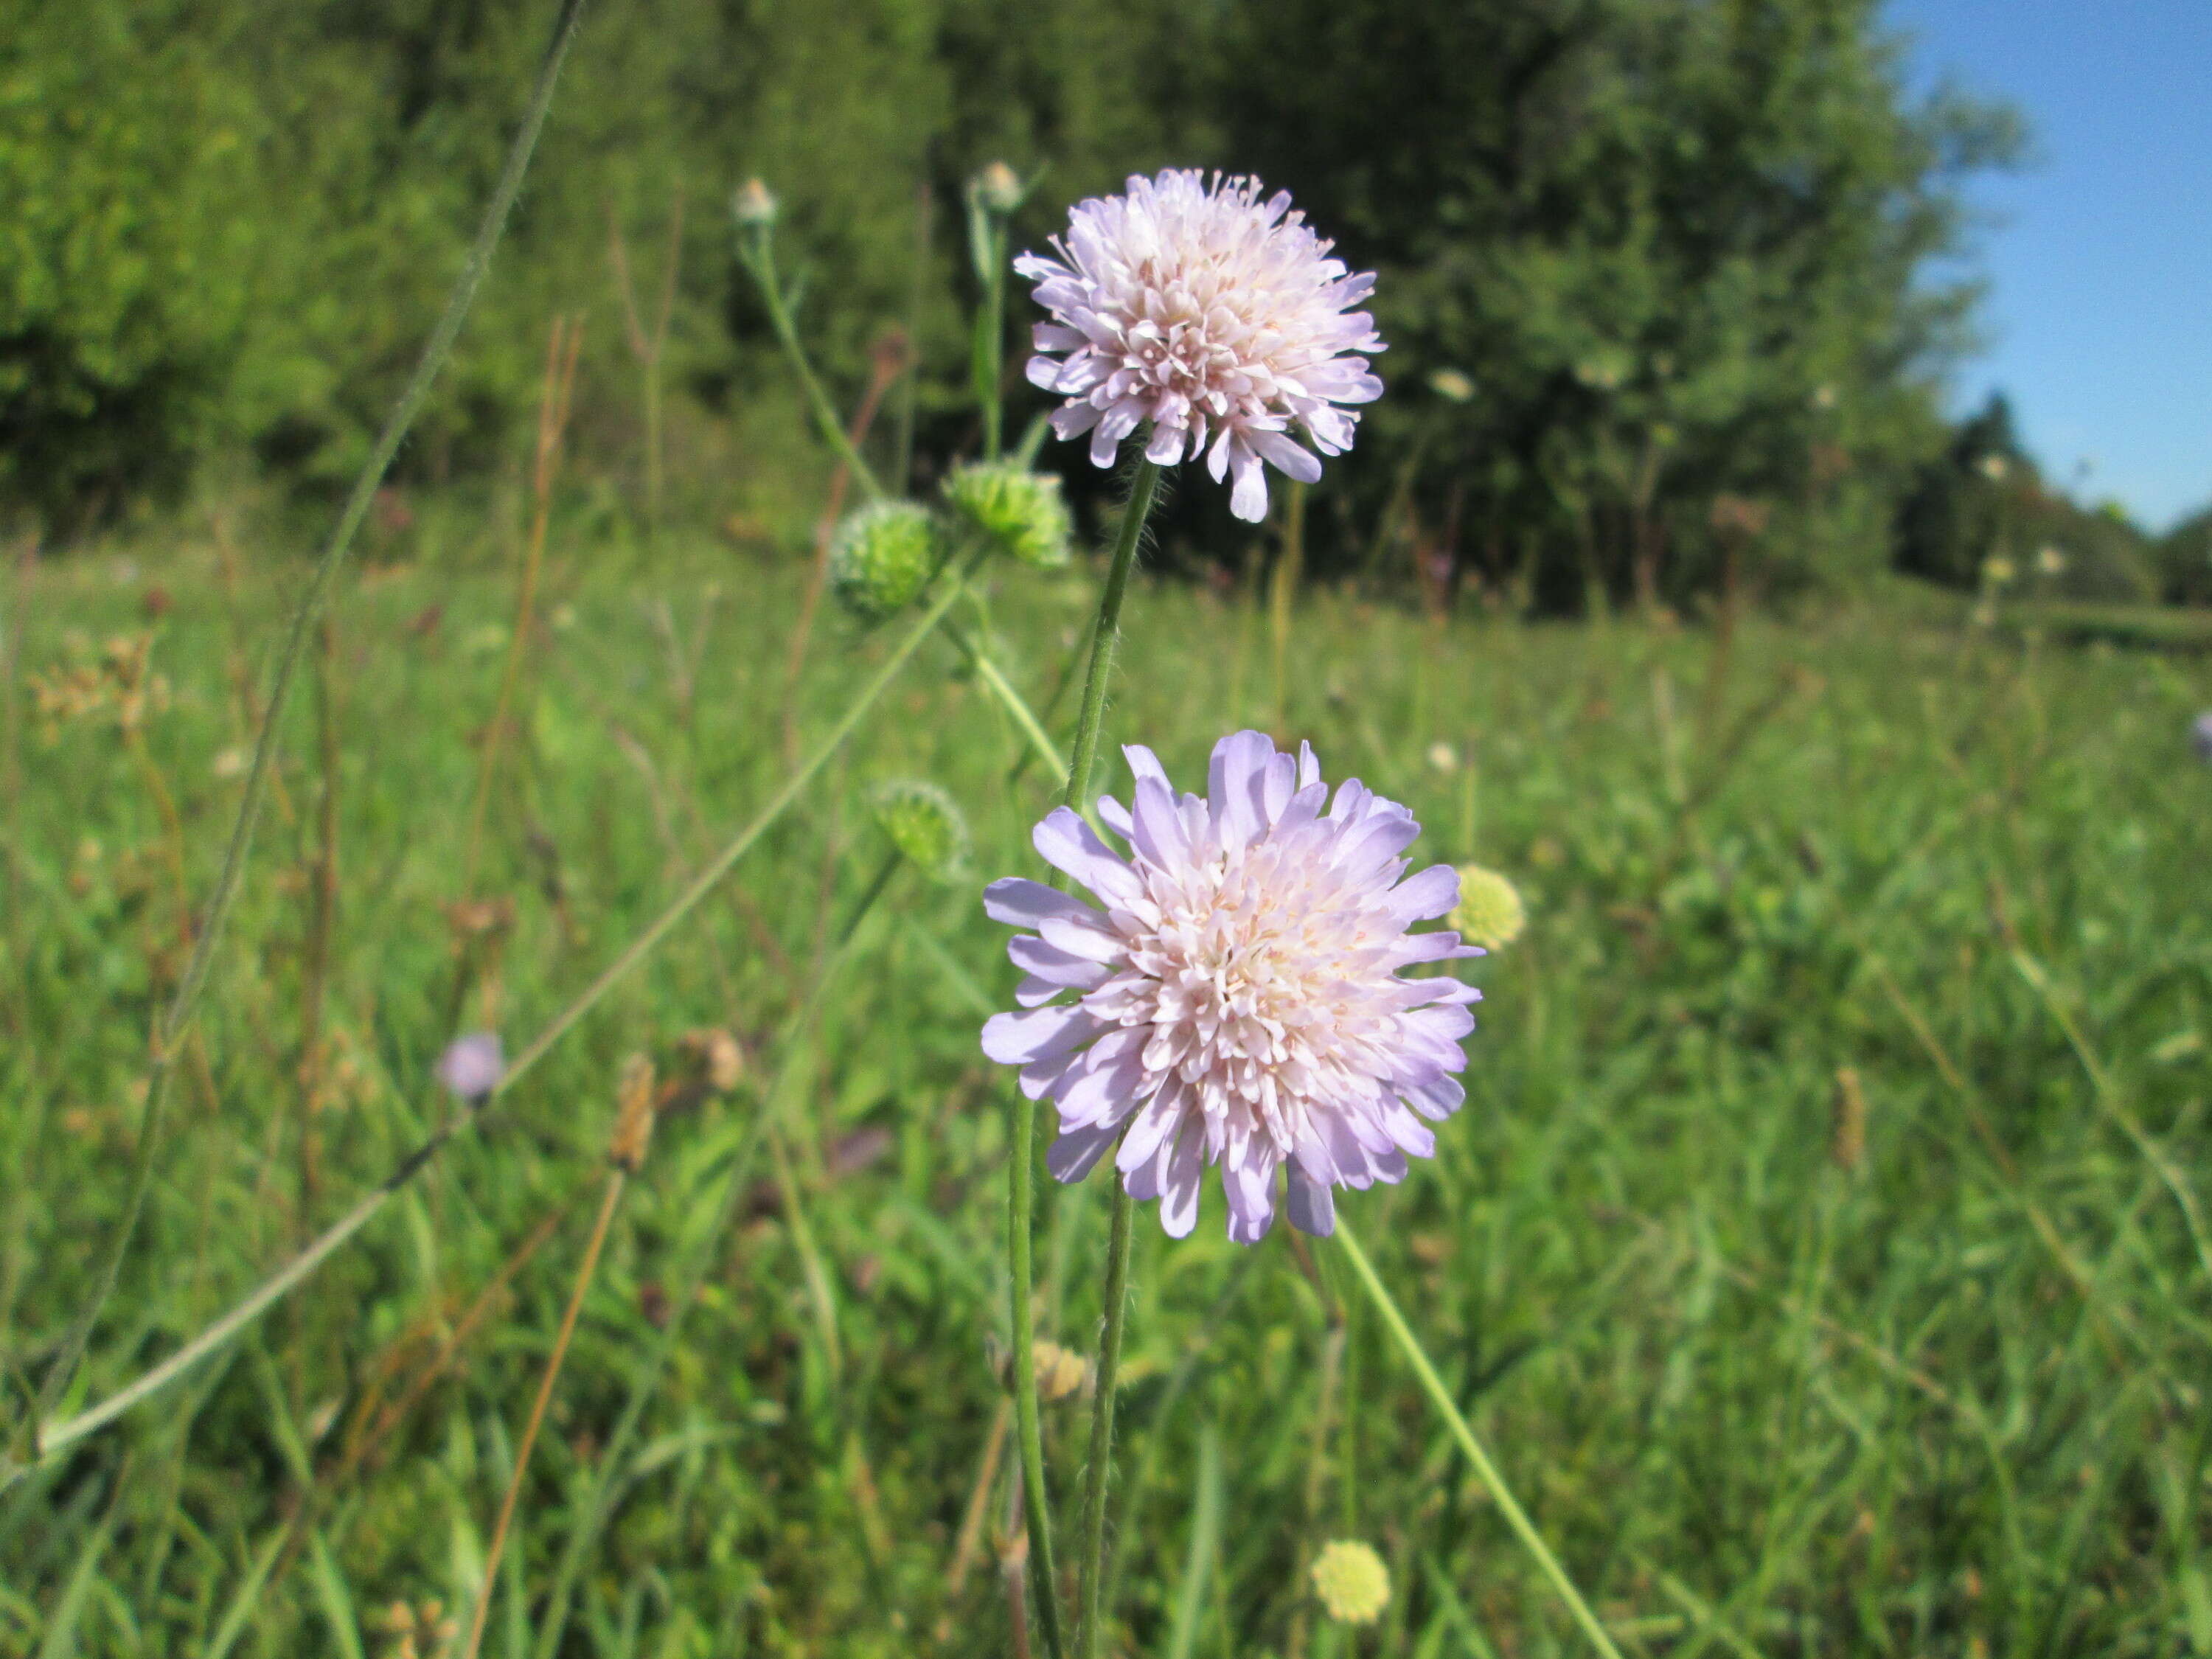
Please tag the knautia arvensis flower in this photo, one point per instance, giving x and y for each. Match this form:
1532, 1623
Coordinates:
1237, 997
1214, 314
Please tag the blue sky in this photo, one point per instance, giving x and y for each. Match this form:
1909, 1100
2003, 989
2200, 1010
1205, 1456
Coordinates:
2100, 312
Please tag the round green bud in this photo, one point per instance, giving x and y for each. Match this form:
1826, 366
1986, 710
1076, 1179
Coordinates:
1490, 913
882, 557
1020, 513
1353, 1584
925, 825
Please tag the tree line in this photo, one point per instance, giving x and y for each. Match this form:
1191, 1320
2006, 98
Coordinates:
1658, 276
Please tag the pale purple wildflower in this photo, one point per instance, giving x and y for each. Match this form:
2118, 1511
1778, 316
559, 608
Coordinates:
1216, 316
473, 1066
1236, 991
2201, 734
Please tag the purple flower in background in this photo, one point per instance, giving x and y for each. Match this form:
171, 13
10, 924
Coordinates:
473, 1066
2201, 733
1214, 315
1236, 991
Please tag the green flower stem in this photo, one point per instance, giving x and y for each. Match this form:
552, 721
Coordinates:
55, 1438
1015, 704
1091, 1571
177, 1020
990, 356
757, 250
1021, 1172
1500, 1494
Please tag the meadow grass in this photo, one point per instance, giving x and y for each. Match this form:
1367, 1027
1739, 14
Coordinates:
1818, 1254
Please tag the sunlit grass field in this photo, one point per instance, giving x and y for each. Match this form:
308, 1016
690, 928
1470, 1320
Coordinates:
1821, 1248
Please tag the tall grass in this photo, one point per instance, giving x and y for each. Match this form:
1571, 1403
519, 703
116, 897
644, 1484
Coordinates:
1945, 1396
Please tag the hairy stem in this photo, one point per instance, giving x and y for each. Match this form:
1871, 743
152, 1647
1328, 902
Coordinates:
1021, 1171
1440, 1397
1091, 1569
182, 1007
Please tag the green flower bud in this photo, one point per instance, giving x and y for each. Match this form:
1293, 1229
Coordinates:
1021, 513
998, 188
1353, 1584
925, 826
1490, 913
753, 207
882, 557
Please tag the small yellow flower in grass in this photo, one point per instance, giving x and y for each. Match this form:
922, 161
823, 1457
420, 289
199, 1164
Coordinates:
1352, 1582
1997, 570
1490, 912
2050, 561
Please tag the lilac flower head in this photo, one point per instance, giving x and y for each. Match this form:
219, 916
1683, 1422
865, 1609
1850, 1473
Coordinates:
1236, 991
1216, 316
473, 1066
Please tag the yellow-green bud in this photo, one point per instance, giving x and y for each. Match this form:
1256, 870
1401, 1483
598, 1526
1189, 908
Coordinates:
926, 826
882, 557
1451, 384
1020, 512
1353, 1584
753, 207
998, 188
1490, 913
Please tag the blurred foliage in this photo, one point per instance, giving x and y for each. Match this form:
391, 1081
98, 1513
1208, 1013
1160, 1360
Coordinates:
1655, 273
2184, 561
1980, 515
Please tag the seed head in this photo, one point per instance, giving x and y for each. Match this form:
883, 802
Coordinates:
1193, 304
1353, 1584
1021, 511
882, 557
926, 826
1490, 913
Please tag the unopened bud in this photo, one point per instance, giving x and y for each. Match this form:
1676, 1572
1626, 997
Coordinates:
1489, 912
1452, 385
998, 188
1021, 513
753, 207
926, 826
1353, 1584
882, 557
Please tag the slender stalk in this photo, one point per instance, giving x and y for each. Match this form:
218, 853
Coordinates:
185, 1003
1440, 1397
757, 250
56, 1437
1091, 1569
1016, 705
1021, 1158
636, 1117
